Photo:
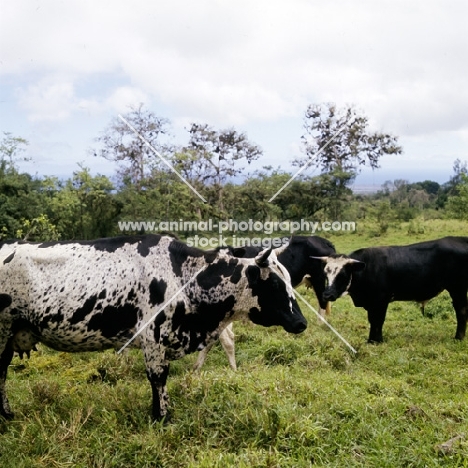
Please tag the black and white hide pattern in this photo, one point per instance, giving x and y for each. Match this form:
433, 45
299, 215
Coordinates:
376, 276
295, 257
93, 295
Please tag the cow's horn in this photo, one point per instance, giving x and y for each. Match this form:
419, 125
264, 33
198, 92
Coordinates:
262, 258
281, 249
323, 259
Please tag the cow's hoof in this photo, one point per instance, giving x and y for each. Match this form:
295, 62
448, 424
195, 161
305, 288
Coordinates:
164, 420
374, 342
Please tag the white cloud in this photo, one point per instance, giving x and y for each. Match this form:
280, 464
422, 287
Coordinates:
125, 97
242, 63
47, 101
56, 100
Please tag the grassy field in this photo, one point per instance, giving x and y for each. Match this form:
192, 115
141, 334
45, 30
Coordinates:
296, 401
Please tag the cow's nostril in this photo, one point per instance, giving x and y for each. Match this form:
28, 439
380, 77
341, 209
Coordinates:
298, 328
328, 296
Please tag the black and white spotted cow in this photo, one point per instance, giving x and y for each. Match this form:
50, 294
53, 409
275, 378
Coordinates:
376, 276
88, 296
295, 257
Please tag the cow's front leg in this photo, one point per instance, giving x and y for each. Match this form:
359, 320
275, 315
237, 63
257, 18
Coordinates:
376, 317
5, 359
324, 306
158, 378
157, 369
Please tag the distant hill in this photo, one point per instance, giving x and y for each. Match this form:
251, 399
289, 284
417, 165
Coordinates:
364, 189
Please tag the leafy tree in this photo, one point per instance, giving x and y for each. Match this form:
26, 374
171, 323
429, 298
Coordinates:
20, 198
320, 196
83, 207
460, 170
340, 138
38, 229
10, 149
18, 201
97, 207
253, 195
339, 142
165, 198
457, 205
383, 216
430, 187
450, 188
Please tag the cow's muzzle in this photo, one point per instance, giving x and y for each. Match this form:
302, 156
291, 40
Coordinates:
300, 327
329, 295
297, 325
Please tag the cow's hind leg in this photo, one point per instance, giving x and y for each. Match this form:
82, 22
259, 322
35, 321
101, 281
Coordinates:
202, 356
6, 355
460, 304
376, 317
5, 360
227, 342
226, 339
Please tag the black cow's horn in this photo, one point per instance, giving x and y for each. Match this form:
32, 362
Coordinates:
262, 258
281, 249
323, 259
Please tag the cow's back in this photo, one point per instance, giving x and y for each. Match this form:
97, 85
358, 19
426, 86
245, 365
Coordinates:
415, 272
87, 295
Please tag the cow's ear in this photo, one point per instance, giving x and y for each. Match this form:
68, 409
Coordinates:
238, 252
253, 274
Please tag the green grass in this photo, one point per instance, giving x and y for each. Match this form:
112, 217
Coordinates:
296, 401
366, 234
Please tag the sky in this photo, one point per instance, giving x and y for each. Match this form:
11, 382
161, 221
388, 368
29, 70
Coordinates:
67, 68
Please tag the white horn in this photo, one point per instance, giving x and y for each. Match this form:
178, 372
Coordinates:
262, 258
323, 259
280, 250
283, 248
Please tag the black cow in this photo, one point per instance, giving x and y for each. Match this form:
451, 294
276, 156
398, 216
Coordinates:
376, 276
295, 257
88, 296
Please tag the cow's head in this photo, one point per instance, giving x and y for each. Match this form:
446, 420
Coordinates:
339, 271
270, 283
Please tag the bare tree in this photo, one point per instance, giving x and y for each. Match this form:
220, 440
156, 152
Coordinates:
213, 157
132, 149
